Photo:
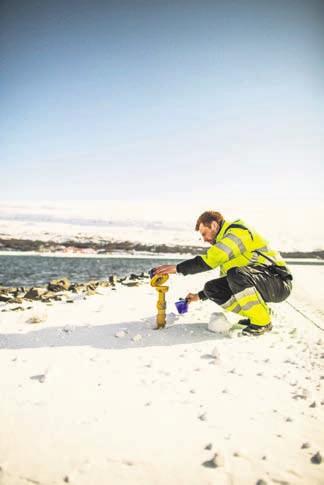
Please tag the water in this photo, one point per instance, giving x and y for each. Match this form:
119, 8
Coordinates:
39, 270
25, 270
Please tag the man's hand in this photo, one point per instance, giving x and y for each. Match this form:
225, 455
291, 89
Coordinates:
165, 269
192, 297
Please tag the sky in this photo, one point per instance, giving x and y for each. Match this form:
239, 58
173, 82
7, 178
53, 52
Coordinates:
168, 100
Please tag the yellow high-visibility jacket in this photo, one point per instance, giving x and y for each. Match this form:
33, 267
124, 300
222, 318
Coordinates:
233, 246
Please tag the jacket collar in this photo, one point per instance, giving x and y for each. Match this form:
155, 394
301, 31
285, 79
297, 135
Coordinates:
222, 230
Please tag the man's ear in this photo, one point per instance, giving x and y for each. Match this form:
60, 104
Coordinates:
214, 226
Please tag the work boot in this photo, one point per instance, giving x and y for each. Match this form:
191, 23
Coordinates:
256, 329
244, 321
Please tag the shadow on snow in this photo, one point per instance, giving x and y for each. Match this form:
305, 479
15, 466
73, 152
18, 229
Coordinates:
104, 336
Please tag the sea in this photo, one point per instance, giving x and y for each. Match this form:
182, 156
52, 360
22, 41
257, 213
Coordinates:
33, 270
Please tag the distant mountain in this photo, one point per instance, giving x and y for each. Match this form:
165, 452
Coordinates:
153, 223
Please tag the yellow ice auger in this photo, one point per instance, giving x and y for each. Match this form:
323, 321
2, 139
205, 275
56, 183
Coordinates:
157, 281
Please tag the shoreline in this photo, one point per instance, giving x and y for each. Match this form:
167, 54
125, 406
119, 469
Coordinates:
144, 255
110, 248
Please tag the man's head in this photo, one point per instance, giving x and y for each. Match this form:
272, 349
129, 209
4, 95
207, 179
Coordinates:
209, 224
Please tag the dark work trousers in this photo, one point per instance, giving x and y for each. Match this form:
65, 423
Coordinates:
271, 286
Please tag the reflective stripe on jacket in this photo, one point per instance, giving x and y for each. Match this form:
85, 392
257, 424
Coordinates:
235, 246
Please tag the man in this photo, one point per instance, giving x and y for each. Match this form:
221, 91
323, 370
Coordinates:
251, 274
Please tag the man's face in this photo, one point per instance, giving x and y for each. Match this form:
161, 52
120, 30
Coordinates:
209, 233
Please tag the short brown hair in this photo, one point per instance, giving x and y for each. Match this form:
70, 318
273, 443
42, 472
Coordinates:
208, 217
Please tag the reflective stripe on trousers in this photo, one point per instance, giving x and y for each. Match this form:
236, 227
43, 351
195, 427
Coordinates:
245, 291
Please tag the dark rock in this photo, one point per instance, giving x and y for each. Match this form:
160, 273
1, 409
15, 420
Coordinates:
208, 356
203, 417
209, 446
215, 462
59, 284
77, 287
112, 279
40, 378
93, 285
134, 276
317, 458
305, 445
35, 293
313, 405
261, 482
209, 464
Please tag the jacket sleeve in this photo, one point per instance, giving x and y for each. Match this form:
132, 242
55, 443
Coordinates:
229, 247
192, 266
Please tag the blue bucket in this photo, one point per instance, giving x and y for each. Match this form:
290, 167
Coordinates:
182, 306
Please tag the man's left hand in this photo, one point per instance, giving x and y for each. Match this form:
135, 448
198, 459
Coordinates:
165, 269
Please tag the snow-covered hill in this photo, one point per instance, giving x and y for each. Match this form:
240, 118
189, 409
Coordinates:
155, 222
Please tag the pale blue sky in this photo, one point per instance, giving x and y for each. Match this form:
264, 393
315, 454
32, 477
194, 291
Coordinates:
138, 100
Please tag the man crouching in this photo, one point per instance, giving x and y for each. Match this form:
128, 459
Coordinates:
251, 274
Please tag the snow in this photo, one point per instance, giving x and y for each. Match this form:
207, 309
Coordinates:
94, 394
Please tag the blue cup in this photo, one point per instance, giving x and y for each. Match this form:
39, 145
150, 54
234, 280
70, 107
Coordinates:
182, 306
151, 272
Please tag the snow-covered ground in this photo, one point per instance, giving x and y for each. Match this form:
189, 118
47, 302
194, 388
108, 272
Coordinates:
156, 222
94, 394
